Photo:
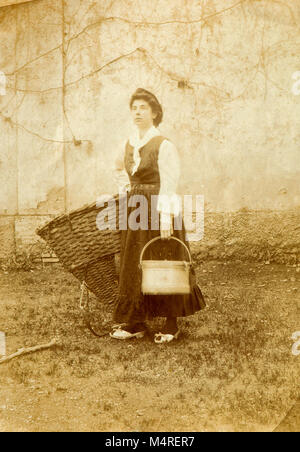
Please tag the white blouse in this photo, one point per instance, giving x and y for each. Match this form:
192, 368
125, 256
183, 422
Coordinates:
169, 202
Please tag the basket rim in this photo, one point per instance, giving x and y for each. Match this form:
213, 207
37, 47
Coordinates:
69, 215
148, 263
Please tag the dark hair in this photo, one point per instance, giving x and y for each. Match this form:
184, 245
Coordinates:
143, 94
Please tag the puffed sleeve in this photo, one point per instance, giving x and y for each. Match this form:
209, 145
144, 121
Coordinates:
169, 202
120, 175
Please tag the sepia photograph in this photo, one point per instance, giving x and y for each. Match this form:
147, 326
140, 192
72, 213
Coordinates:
149, 218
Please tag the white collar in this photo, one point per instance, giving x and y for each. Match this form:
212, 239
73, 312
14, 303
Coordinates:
135, 140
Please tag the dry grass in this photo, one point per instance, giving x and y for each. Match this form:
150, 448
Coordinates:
232, 369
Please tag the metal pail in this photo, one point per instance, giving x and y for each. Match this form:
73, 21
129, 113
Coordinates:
163, 277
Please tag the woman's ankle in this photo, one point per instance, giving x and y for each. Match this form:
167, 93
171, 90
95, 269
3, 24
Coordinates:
135, 327
170, 326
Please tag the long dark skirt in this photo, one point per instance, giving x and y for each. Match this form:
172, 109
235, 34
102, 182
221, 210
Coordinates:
132, 305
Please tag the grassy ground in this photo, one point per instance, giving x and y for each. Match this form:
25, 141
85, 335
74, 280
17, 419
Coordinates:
232, 370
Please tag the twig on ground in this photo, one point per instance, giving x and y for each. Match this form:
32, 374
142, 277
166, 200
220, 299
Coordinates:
25, 351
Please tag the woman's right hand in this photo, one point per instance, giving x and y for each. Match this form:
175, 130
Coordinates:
166, 230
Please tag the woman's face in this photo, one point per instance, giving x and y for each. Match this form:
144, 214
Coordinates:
142, 114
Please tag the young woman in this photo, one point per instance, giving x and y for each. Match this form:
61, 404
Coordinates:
152, 164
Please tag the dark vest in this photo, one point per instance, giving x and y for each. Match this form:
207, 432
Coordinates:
148, 171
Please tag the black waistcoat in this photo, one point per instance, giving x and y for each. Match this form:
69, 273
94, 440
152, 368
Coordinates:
148, 170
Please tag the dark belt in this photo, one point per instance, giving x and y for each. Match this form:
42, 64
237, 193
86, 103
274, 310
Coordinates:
136, 185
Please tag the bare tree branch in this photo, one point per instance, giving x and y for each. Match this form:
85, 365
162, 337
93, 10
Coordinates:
25, 351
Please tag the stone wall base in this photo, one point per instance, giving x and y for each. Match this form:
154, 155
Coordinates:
245, 235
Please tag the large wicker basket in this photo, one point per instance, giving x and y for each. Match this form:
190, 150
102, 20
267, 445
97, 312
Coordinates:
84, 250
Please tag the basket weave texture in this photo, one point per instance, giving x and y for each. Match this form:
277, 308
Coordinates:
84, 250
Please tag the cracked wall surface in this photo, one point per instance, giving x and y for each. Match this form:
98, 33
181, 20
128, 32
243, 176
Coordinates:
223, 71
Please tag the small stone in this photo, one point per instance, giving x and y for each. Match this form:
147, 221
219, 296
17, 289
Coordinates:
61, 389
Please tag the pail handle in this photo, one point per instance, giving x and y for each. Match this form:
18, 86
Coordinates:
159, 238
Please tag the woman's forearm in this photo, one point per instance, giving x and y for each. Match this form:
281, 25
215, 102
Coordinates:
169, 202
